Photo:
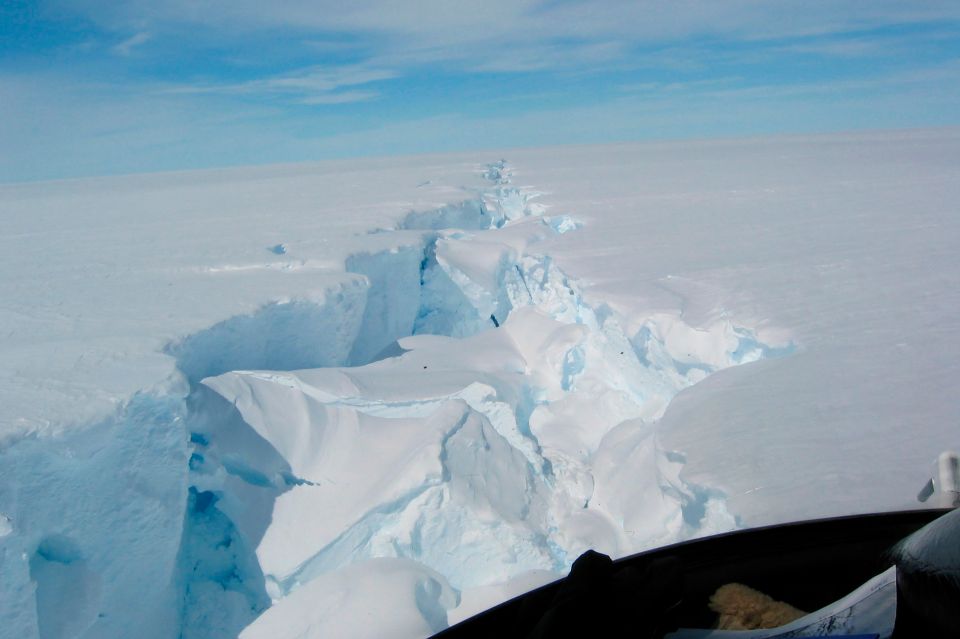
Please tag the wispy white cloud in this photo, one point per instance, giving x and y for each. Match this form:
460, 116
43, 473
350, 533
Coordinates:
58, 127
861, 45
473, 24
321, 79
679, 86
126, 47
537, 57
313, 85
344, 97
228, 79
388, 39
733, 88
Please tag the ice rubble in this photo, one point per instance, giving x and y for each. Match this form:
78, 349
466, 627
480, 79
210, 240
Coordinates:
466, 418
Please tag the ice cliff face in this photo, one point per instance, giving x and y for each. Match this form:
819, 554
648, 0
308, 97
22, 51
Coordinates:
95, 521
455, 414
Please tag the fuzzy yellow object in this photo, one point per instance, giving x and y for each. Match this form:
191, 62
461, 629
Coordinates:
743, 608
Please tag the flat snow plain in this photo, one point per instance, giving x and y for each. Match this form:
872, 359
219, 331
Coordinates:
372, 397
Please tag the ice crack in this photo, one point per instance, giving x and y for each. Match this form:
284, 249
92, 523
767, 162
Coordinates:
554, 448
457, 402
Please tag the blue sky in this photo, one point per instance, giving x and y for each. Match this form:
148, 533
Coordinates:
97, 87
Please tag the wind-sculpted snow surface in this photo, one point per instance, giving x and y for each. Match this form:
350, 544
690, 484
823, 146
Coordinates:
509, 428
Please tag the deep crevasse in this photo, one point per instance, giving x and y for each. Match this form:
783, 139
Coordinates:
469, 418
513, 447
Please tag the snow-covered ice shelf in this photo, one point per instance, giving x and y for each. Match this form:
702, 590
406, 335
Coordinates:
253, 402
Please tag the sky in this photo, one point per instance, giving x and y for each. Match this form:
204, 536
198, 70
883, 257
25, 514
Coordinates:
104, 87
